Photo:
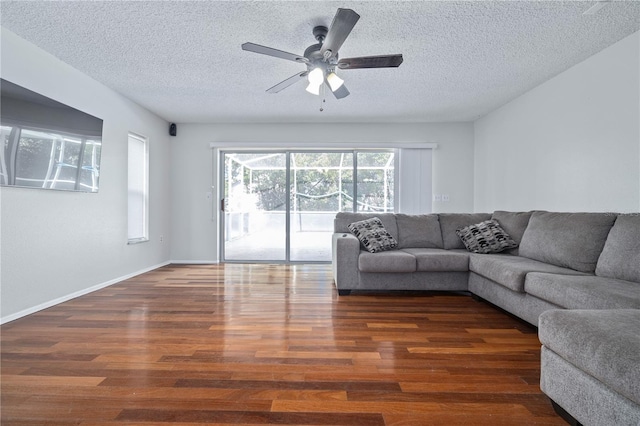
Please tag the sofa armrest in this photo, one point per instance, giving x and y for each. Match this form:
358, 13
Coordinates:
345, 249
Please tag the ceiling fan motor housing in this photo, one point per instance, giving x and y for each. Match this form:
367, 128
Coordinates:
312, 53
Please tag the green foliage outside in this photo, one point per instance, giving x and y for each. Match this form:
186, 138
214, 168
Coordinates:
319, 181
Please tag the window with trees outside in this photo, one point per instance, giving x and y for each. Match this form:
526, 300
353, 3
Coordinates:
280, 206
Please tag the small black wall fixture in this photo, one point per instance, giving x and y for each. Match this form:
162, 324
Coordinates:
173, 129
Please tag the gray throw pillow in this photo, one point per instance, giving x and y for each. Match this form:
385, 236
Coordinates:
450, 222
486, 237
373, 235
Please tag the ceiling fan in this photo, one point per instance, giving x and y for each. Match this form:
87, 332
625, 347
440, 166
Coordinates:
322, 58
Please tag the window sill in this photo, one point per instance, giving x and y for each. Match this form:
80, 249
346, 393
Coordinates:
137, 241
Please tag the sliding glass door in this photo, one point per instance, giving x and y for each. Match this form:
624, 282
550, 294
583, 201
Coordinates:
254, 207
280, 206
321, 185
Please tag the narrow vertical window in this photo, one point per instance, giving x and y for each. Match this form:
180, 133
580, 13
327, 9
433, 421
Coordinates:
138, 189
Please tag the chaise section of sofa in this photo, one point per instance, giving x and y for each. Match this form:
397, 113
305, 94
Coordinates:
590, 365
591, 351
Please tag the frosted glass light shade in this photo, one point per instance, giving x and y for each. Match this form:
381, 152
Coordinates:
334, 81
313, 89
316, 77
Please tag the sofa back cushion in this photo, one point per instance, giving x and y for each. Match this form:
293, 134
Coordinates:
418, 231
620, 256
570, 240
450, 222
514, 224
344, 219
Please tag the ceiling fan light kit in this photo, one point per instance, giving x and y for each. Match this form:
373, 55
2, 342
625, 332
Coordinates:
322, 58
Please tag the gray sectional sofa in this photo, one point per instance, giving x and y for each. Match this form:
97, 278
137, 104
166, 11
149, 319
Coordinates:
563, 262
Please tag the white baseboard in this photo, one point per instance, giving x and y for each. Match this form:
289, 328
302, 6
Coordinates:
195, 262
79, 293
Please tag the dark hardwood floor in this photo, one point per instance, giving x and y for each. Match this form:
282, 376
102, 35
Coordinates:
269, 344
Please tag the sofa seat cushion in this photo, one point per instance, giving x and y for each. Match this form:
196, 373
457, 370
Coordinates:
511, 271
438, 260
583, 292
386, 261
603, 343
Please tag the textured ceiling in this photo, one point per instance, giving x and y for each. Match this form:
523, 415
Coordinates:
182, 59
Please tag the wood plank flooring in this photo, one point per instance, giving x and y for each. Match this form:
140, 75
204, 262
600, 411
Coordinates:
268, 345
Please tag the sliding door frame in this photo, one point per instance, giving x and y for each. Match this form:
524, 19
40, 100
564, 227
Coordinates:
221, 199
288, 176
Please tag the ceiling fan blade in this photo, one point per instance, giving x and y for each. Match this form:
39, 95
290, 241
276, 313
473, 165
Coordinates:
269, 51
341, 92
288, 82
383, 61
341, 27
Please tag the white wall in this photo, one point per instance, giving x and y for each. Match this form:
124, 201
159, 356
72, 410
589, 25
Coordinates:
56, 243
194, 224
570, 144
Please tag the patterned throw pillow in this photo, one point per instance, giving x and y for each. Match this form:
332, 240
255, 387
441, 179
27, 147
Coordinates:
486, 237
373, 235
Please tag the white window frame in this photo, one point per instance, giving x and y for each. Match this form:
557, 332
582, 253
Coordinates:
137, 189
